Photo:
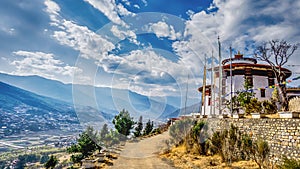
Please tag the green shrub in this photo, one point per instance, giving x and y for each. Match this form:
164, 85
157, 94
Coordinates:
254, 106
123, 122
76, 158
139, 127
258, 151
290, 164
262, 152
51, 163
198, 137
232, 145
180, 129
269, 107
148, 128
217, 143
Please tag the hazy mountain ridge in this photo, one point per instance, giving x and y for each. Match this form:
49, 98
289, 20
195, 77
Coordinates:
108, 101
23, 111
183, 111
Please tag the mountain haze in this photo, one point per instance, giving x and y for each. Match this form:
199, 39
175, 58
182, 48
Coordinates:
106, 100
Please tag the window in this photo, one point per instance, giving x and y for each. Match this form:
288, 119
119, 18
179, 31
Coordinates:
262, 93
271, 81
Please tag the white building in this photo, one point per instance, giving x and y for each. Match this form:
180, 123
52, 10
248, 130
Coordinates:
260, 77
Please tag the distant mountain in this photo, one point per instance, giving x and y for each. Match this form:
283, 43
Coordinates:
40, 85
22, 111
107, 100
183, 111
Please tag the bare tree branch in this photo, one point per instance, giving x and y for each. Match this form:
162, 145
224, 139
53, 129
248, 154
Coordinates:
277, 53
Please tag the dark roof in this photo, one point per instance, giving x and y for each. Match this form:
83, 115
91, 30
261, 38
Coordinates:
239, 59
207, 87
260, 67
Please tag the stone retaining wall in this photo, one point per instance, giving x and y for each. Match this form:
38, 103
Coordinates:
282, 135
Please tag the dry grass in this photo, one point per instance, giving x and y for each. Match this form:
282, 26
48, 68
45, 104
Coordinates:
273, 116
182, 159
294, 104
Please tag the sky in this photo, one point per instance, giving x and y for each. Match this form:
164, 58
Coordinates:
155, 48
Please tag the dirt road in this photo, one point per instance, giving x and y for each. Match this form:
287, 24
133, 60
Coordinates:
143, 154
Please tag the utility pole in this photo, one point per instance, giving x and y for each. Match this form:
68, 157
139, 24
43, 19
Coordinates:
203, 87
220, 77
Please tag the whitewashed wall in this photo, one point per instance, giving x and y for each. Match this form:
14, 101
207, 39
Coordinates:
262, 82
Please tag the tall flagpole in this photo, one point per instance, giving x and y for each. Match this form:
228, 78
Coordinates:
203, 87
212, 110
231, 108
220, 78
186, 93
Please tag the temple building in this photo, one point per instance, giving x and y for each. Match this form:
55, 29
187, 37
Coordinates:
234, 72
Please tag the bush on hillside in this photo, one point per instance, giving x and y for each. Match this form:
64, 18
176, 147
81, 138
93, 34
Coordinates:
290, 164
269, 107
179, 130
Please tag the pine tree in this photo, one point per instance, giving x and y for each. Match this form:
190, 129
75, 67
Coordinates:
139, 127
51, 163
86, 143
149, 127
275, 95
123, 122
104, 131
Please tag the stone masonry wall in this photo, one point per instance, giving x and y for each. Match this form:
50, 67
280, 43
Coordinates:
282, 135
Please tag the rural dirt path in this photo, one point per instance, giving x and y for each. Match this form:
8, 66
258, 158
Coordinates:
143, 154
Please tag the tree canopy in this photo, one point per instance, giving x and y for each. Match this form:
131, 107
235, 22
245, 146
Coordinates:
86, 143
139, 127
148, 128
123, 122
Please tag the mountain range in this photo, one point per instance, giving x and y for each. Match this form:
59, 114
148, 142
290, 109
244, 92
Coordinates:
37, 97
23, 111
102, 98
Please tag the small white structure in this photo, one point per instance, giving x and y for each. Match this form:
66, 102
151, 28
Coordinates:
288, 115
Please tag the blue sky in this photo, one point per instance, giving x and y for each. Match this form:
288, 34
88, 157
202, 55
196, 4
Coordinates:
151, 47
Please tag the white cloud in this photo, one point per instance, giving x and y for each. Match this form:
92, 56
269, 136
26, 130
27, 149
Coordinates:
123, 34
126, 2
53, 10
242, 24
110, 9
80, 38
52, 7
123, 11
90, 44
162, 29
42, 64
145, 2
148, 70
10, 31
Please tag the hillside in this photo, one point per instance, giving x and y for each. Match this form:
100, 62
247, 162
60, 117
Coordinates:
22, 111
102, 99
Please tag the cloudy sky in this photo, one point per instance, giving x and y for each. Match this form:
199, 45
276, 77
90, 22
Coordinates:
152, 47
